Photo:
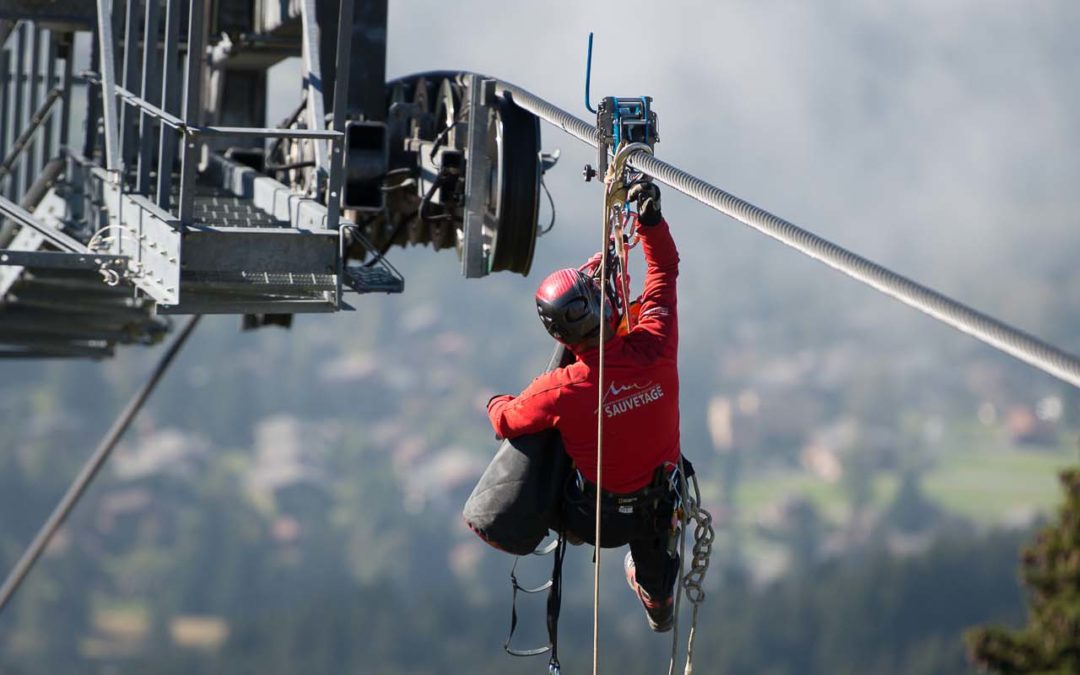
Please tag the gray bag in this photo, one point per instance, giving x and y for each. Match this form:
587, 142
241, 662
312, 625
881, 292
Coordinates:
519, 496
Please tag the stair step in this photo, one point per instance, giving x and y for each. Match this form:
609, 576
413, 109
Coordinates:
375, 279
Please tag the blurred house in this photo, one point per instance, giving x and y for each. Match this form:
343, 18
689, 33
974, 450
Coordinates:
1025, 427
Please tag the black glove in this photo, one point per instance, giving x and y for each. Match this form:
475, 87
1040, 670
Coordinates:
647, 195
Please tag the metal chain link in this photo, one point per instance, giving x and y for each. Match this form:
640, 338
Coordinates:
699, 563
693, 580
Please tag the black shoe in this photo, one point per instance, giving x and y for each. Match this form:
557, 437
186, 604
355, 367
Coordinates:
660, 612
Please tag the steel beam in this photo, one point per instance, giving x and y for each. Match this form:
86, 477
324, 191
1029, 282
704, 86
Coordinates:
170, 103
93, 103
151, 84
49, 209
146, 107
474, 259
5, 97
193, 304
313, 82
51, 322
122, 309
149, 236
55, 237
129, 76
78, 282
68, 13
12, 332
365, 38
265, 132
49, 84
193, 85
341, 94
108, 91
59, 352
23, 142
15, 187
29, 158
65, 107
26, 239
59, 260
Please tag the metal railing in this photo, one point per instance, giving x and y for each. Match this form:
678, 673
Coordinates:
172, 115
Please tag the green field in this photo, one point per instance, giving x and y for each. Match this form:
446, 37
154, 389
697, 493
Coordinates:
974, 474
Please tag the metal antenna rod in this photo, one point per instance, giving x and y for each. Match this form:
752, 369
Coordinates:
588, 77
90, 469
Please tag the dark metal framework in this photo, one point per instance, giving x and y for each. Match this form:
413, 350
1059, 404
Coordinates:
190, 203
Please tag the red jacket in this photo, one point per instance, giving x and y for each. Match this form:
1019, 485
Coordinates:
641, 378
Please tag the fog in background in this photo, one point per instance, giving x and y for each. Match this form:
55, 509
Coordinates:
938, 139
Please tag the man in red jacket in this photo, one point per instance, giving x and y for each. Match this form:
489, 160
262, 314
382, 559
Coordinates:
640, 408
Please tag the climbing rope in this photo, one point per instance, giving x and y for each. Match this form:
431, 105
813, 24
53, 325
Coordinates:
993, 332
606, 231
614, 204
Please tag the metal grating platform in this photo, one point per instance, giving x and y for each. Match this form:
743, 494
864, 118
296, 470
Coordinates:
376, 279
219, 208
262, 282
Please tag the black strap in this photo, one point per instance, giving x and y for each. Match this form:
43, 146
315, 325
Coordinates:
554, 604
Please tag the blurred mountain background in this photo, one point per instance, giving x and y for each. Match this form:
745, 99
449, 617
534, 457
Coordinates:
289, 500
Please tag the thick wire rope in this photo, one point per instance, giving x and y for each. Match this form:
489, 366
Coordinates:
91, 468
996, 333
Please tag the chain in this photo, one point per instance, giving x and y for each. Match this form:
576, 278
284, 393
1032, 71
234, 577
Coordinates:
693, 580
703, 542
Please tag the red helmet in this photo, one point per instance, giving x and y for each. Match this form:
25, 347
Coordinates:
568, 302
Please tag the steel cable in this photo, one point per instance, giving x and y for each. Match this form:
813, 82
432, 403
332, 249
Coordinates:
91, 468
993, 332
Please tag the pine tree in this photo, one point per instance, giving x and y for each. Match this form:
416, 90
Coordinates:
1050, 643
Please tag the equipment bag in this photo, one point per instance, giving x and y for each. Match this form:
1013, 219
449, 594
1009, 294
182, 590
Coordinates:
519, 496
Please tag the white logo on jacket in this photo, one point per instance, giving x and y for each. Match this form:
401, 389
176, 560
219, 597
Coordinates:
619, 399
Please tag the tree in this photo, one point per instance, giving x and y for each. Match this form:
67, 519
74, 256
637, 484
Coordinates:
1050, 643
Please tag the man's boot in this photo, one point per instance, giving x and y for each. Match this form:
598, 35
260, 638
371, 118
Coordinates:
661, 611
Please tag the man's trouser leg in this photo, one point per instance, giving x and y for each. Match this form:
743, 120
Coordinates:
656, 571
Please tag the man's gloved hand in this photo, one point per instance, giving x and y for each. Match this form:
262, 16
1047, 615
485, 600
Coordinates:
647, 195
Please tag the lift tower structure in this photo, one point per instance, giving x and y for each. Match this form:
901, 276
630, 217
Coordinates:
139, 177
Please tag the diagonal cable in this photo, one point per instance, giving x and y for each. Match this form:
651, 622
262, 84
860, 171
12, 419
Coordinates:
992, 331
90, 469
